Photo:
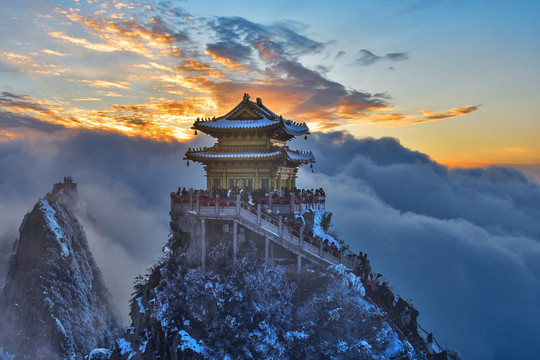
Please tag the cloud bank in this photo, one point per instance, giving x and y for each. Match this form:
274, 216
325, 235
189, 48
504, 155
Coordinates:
463, 244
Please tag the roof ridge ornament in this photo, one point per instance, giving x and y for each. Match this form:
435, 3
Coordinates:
246, 97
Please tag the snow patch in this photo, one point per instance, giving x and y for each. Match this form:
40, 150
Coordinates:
50, 217
318, 230
189, 343
142, 309
125, 348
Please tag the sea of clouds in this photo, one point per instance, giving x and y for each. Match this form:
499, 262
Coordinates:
462, 244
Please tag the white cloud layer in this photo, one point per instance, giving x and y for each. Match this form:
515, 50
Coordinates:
464, 245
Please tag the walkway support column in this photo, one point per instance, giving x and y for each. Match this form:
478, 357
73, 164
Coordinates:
203, 244
299, 267
266, 249
235, 239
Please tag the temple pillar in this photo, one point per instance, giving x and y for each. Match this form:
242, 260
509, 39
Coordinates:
257, 181
301, 238
235, 239
203, 244
299, 266
266, 249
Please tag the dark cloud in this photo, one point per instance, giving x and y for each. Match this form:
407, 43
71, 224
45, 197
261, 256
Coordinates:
454, 241
9, 120
282, 38
368, 58
340, 54
237, 52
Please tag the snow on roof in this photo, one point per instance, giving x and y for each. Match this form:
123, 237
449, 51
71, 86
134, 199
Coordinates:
304, 156
237, 124
294, 128
250, 115
239, 154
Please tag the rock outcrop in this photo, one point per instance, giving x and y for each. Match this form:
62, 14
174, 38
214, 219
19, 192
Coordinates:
54, 304
249, 310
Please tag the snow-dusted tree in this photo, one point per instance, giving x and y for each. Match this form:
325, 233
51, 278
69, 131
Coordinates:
245, 309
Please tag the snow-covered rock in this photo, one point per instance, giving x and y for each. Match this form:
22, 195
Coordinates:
54, 304
99, 354
248, 310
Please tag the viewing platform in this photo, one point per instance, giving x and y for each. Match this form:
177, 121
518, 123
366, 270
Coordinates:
272, 219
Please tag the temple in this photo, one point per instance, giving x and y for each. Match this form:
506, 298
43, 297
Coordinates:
251, 202
251, 149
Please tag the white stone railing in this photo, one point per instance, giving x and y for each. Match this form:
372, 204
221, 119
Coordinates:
271, 226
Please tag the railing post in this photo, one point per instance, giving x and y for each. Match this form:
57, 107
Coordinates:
266, 248
299, 266
320, 248
280, 222
190, 200
235, 239
198, 202
237, 204
259, 213
203, 245
270, 200
301, 237
292, 203
217, 205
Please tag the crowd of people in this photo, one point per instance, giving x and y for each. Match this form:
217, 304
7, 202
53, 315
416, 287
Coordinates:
403, 314
258, 196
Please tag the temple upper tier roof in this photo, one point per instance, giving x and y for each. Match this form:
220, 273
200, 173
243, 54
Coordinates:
250, 116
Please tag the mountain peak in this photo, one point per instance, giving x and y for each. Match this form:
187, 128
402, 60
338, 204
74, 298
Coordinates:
54, 303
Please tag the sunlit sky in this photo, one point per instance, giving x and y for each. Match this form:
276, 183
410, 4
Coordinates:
458, 80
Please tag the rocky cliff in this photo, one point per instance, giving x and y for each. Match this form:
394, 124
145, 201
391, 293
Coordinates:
54, 304
249, 310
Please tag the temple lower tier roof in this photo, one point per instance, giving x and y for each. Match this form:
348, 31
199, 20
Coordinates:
210, 154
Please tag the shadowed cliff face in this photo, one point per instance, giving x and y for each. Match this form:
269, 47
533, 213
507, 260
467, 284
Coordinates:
54, 304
